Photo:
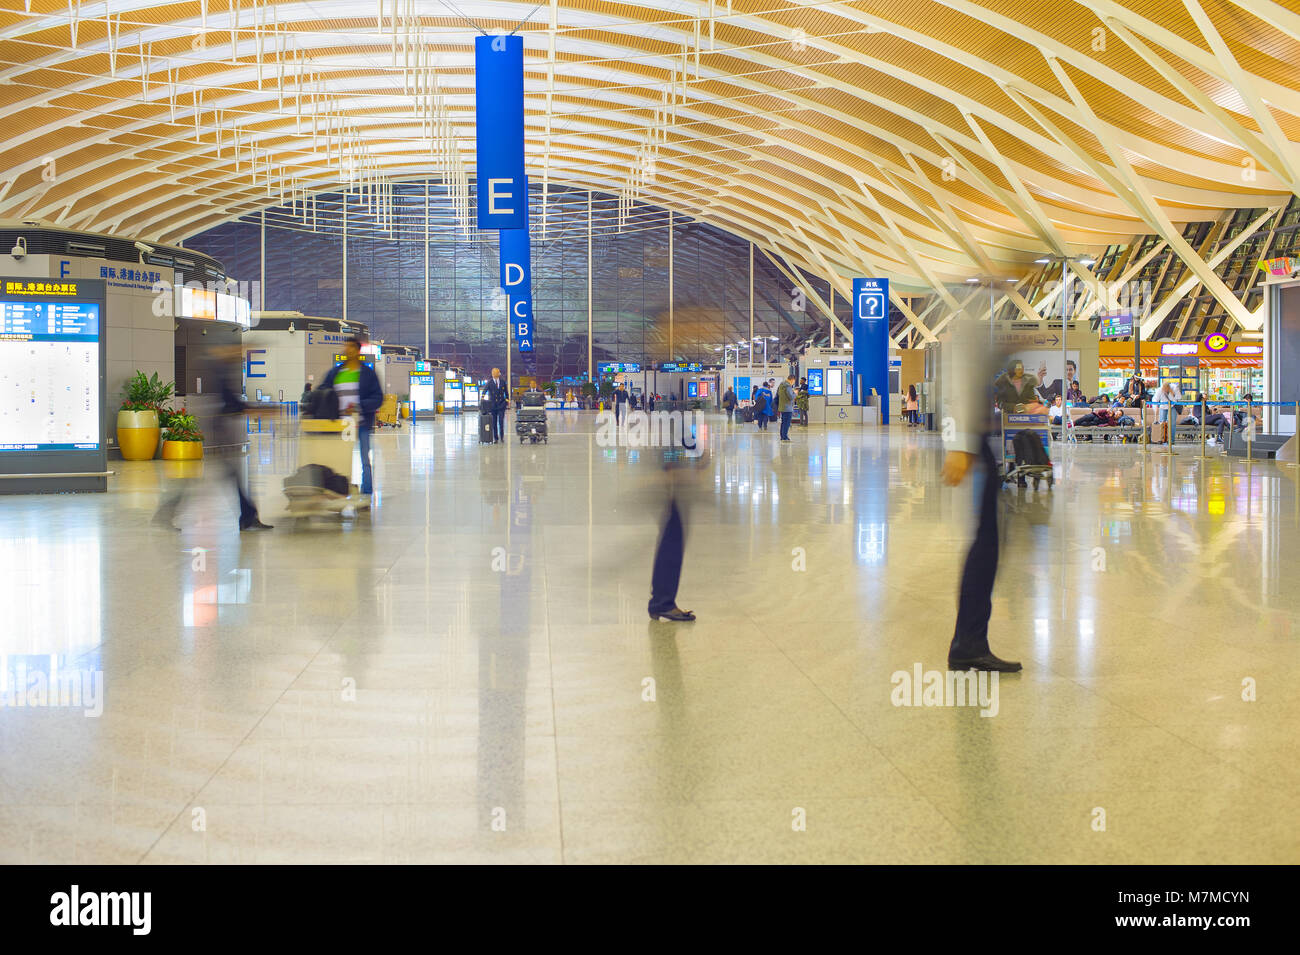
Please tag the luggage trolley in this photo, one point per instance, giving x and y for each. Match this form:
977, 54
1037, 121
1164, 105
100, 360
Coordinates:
321, 487
1020, 460
530, 419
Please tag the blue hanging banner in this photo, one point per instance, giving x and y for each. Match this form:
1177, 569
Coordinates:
871, 342
499, 126
517, 281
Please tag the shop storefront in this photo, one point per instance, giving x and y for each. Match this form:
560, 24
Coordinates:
1220, 368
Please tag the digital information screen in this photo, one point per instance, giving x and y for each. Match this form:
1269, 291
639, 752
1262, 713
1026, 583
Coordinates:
451, 392
815, 386
422, 393
1119, 325
49, 375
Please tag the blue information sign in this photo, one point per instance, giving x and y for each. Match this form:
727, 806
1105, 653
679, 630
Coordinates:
517, 281
871, 341
815, 381
499, 123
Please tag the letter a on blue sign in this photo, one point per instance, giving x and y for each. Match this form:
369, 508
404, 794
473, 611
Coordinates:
499, 121
517, 280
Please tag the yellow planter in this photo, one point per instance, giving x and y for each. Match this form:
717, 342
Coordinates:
137, 434
182, 450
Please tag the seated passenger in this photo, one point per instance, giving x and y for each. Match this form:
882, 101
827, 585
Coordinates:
1016, 392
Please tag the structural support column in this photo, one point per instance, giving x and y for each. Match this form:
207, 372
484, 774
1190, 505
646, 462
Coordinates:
345, 255
426, 270
751, 316
832, 312
590, 368
671, 353
261, 292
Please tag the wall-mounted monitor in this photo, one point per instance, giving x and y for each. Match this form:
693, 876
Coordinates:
51, 385
834, 382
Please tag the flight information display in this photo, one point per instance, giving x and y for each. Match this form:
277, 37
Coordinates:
49, 376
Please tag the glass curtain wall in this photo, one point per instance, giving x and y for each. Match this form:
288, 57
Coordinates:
468, 324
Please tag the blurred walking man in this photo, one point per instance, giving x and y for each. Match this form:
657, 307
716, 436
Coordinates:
970, 366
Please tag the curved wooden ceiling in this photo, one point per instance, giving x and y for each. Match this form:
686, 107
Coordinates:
924, 140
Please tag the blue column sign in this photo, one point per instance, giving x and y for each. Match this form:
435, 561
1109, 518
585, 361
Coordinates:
871, 341
499, 125
517, 281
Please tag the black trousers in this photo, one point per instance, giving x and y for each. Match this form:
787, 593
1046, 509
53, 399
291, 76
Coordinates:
498, 423
667, 573
975, 597
235, 473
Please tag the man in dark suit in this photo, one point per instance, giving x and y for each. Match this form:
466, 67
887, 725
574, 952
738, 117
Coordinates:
498, 401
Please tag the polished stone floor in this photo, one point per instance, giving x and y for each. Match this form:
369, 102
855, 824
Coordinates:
468, 674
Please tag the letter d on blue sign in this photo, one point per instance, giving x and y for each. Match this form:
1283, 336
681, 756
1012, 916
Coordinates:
499, 125
871, 341
517, 280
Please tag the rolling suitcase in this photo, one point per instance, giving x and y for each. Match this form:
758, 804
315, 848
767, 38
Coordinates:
484, 423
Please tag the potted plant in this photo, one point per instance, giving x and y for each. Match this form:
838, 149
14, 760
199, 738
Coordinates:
138, 422
182, 441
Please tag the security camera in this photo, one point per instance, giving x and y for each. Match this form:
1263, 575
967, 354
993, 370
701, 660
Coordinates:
291, 328
144, 247
20, 248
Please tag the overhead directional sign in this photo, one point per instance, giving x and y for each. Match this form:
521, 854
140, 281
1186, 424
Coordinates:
1119, 325
499, 125
517, 280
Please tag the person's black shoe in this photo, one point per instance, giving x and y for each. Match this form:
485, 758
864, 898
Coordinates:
986, 662
254, 525
677, 614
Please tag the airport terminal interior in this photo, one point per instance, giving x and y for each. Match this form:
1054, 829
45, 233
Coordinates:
742, 431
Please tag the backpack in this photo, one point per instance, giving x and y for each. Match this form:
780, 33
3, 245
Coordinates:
318, 476
1029, 449
323, 402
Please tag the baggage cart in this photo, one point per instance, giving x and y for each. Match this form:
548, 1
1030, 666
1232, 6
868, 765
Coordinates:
329, 445
1023, 467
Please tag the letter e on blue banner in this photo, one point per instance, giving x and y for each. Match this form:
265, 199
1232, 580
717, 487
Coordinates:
499, 125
